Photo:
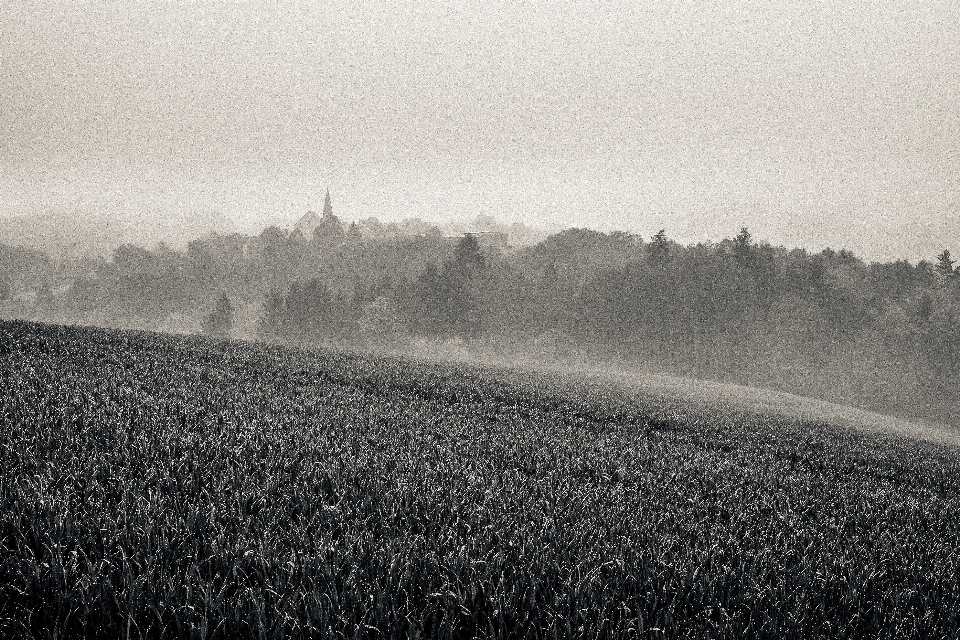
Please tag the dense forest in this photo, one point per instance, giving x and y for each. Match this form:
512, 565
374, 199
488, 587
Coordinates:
884, 335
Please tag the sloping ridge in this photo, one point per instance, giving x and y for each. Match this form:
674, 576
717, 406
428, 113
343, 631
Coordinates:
706, 393
778, 403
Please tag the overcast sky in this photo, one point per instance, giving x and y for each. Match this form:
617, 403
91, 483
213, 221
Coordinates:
831, 123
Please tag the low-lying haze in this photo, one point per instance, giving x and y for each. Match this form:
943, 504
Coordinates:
818, 124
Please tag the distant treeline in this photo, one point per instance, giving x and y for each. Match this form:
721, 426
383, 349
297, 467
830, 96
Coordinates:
881, 335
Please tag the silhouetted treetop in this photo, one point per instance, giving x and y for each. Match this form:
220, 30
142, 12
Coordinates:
659, 249
945, 264
467, 255
743, 248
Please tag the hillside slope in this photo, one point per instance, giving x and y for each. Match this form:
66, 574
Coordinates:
183, 487
691, 392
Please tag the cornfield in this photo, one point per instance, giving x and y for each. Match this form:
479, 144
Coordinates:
157, 487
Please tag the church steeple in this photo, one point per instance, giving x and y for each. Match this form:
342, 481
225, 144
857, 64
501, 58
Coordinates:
327, 208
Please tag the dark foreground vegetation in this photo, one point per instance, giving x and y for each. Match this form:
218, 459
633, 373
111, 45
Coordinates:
179, 487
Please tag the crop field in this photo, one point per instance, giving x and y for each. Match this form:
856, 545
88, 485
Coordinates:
157, 486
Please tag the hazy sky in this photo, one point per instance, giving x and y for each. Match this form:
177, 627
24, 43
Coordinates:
816, 123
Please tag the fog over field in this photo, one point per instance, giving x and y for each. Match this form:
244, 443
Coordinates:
827, 132
502, 319
704, 394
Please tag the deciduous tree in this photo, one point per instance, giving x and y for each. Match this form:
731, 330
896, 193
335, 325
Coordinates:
220, 321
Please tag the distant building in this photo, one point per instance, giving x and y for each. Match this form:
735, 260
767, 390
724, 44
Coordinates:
307, 224
310, 222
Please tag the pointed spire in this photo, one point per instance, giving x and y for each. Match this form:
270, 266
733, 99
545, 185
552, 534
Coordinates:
327, 208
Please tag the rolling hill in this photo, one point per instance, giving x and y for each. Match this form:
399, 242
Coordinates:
166, 486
